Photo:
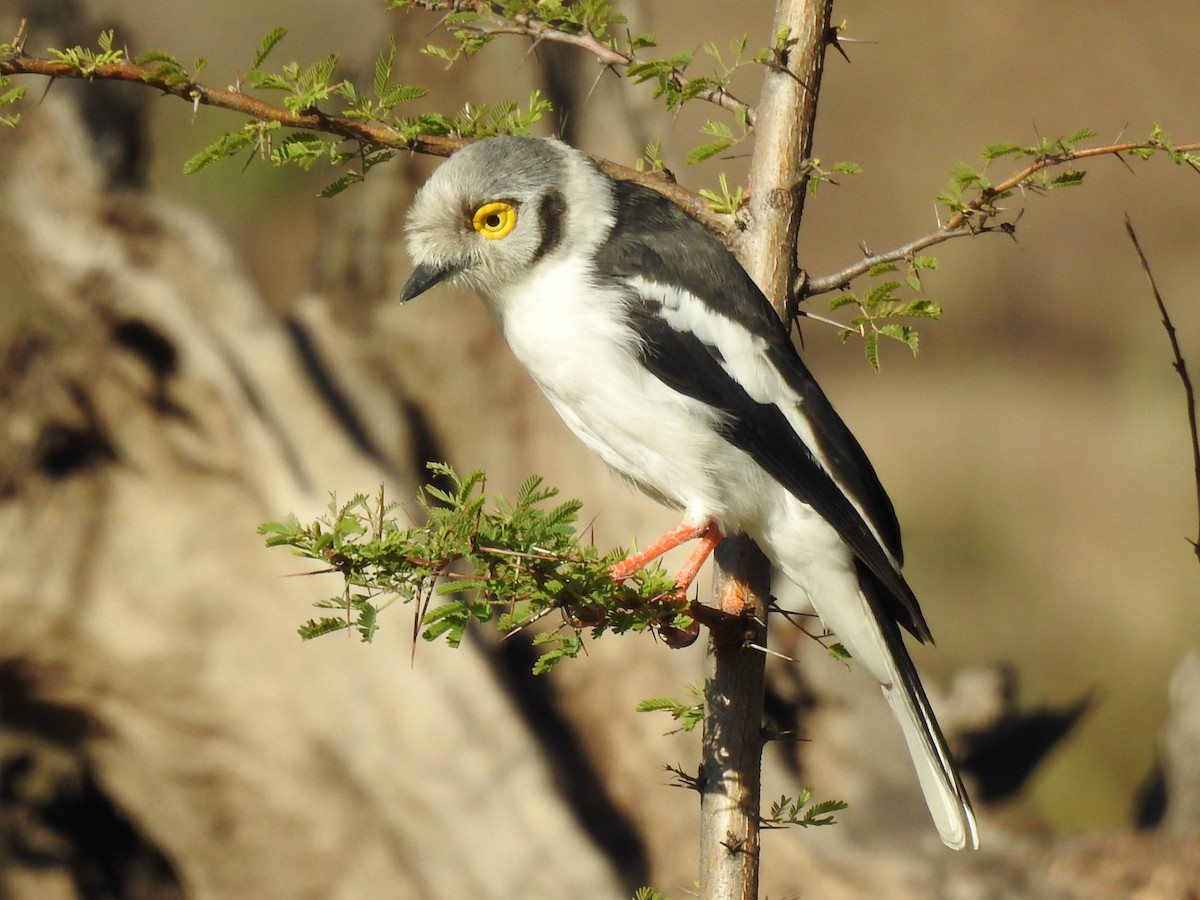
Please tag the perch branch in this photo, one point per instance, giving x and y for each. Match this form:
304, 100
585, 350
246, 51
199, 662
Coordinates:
538, 30
340, 126
972, 220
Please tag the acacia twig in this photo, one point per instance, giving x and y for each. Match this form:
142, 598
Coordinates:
314, 120
538, 30
1178, 365
971, 220
202, 95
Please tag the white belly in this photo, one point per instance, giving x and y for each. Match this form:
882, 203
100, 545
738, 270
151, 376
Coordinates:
584, 356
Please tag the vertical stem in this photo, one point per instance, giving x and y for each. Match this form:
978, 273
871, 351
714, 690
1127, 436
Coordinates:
731, 757
732, 744
787, 111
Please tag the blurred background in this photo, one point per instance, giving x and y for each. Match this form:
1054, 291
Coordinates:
1036, 450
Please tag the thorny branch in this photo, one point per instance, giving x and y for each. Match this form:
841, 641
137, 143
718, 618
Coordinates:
314, 120
974, 219
1178, 364
538, 30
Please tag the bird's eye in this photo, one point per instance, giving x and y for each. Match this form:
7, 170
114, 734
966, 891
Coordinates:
495, 220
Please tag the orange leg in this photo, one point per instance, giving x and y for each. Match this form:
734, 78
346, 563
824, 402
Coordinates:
708, 543
707, 531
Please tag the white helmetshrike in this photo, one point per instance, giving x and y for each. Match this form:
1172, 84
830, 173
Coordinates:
664, 357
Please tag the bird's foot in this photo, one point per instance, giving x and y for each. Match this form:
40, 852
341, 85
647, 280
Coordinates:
709, 534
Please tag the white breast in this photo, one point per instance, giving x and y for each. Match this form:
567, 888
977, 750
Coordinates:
573, 338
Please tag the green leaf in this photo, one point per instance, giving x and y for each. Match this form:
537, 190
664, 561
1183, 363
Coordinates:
269, 42
1068, 179
707, 151
368, 621
339, 184
314, 628
155, 56
906, 334
226, 145
871, 349
383, 69
881, 293
995, 151
8, 98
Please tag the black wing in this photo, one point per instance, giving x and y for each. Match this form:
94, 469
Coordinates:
653, 240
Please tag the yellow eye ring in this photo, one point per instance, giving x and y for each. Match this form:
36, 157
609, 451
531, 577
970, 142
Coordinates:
495, 220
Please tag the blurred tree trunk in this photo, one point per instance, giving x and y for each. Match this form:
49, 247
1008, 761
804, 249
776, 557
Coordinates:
155, 696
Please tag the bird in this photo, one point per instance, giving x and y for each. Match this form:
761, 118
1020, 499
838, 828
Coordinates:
663, 356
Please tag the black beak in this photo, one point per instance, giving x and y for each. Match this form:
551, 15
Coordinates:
423, 278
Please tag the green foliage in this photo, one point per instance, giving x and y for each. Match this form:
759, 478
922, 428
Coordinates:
885, 303
972, 193
315, 88
688, 715
473, 25
648, 893
1159, 142
163, 68
727, 202
974, 198
651, 159
670, 83
788, 811
87, 60
724, 140
254, 133
474, 561
818, 176
8, 96
269, 42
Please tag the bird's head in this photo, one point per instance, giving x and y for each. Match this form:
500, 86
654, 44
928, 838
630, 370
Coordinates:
489, 213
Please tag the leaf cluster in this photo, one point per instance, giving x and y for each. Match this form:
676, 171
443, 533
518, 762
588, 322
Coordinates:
1159, 142
688, 715
475, 561
970, 183
883, 307
799, 810
9, 95
163, 68
316, 88
87, 60
974, 199
669, 75
471, 24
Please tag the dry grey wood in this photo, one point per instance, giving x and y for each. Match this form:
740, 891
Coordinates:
168, 415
